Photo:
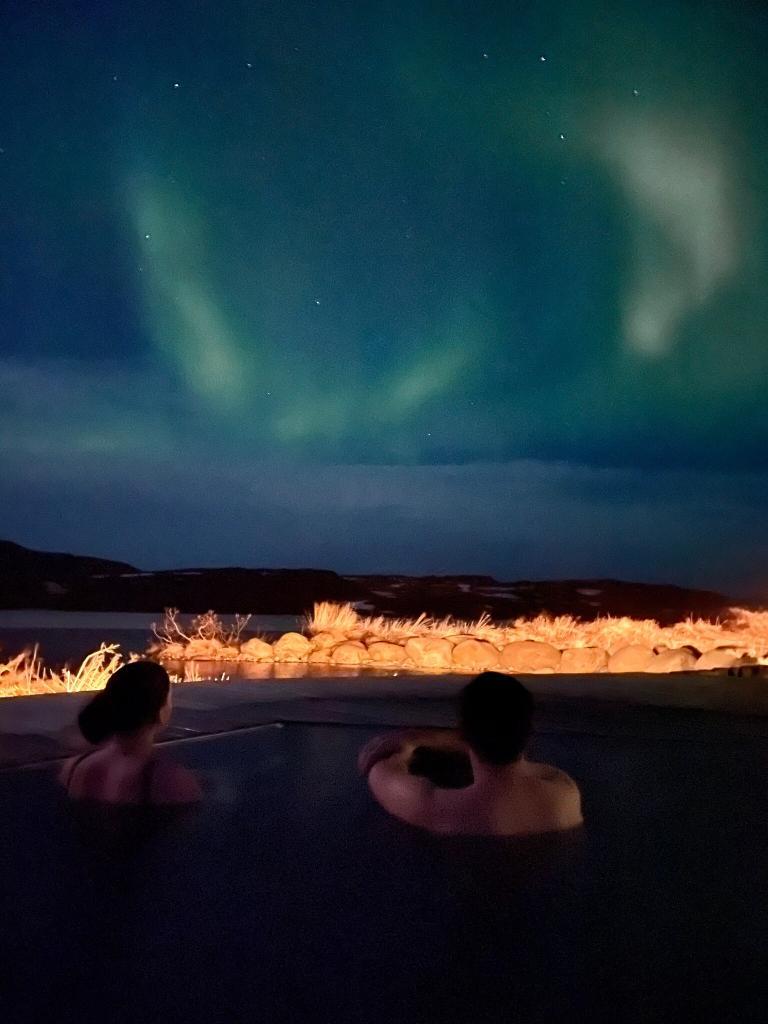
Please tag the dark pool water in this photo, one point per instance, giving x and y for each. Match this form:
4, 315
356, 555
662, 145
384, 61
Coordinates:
289, 897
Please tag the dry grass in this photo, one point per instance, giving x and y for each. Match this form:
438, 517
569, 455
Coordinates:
21, 675
203, 627
26, 674
744, 629
191, 674
326, 615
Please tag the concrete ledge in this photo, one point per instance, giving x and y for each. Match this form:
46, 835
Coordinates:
44, 727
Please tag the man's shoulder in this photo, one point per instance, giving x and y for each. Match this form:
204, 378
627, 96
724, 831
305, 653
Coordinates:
560, 796
550, 775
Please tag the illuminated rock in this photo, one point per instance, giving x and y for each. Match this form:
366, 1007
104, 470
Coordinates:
328, 639
380, 652
632, 658
199, 649
352, 652
475, 656
578, 660
749, 667
680, 660
292, 647
664, 648
530, 656
256, 650
320, 657
720, 657
172, 652
429, 652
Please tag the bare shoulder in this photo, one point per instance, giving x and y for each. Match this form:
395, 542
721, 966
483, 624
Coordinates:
79, 767
174, 784
549, 774
560, 794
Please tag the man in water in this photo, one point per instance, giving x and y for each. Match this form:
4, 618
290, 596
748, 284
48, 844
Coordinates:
504, 794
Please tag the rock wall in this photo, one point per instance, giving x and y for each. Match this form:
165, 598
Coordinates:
463, 654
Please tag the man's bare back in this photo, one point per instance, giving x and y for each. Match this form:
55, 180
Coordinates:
507, 795
522, 798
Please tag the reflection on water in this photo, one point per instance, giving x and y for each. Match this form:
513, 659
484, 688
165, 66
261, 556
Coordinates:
68, 637
236, 670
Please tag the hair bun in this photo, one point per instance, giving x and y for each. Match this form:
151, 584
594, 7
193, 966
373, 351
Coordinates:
97, 719
132, 699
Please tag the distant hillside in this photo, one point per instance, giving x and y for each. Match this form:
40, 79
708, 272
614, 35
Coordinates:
36, 579
39, 579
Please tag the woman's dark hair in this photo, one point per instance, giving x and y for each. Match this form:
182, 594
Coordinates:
131, 699
495, 714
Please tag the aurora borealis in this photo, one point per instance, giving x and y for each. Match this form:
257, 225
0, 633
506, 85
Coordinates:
450, 287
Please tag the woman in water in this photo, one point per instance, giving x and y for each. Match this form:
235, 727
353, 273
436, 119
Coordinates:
122, 722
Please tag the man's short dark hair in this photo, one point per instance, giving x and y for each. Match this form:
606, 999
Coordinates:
495, 714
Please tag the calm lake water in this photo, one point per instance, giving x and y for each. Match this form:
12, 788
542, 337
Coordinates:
67, 637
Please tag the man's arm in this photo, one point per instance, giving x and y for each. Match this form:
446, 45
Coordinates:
408, 797
405, 741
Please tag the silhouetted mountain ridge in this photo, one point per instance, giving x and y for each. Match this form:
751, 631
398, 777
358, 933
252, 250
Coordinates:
53, 580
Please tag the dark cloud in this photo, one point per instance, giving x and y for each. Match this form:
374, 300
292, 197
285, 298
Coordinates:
305, 286
514, 520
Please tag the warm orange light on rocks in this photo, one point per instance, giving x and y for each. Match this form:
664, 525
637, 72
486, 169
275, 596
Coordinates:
337, 635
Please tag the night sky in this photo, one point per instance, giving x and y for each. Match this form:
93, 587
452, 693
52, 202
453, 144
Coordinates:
418, 287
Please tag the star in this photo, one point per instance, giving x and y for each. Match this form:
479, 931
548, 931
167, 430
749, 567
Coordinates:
635, 92
147, 237
317, 302
175, 85
542, 58
485, 55
562, 136
248, 64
